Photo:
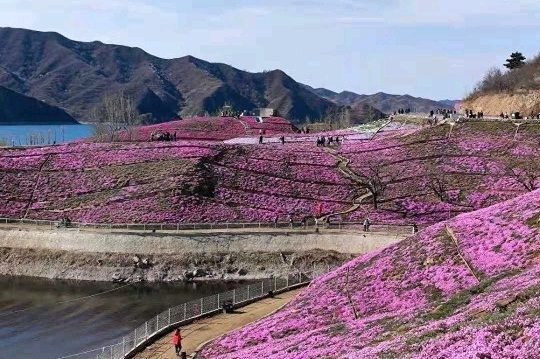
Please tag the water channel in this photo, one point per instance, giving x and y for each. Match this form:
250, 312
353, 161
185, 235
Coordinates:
47, 319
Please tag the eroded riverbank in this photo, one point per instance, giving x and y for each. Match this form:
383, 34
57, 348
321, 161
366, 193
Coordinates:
168, 257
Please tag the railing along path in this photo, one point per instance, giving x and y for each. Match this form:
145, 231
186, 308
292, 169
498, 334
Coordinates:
185, 313
179, 227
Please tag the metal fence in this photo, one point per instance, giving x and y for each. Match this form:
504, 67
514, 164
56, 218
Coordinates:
179, 227
189, 311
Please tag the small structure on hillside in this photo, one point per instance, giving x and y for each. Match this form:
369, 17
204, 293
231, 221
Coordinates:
266, 112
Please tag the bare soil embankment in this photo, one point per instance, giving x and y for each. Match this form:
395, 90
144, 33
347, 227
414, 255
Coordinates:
131, 257
494, 104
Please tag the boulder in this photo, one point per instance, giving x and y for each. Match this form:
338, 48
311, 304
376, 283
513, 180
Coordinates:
242, 272
198, 272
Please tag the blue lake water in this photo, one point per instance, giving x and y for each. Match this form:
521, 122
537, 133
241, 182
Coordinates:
25, 135
46, 319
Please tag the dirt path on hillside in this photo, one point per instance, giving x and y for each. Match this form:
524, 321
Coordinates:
207, 329
343, 167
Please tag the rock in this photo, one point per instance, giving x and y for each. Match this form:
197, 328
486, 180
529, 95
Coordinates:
100, 262
198, 272
145, 261
231, 270
242, 271
228, 259
118, 278
283, 257
261, 268
136, 259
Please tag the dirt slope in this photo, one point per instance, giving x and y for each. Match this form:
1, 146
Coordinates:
494, 104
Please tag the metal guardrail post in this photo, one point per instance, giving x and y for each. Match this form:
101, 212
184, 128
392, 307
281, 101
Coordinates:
157, 322
275, 284
146, 329
202, 306
124, 345
234, 295
217, 300
185, 311
262, 287
169, 316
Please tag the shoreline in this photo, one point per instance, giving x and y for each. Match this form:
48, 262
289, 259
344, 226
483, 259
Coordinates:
167, 257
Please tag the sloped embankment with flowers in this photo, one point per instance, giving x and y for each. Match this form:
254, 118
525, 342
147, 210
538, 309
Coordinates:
465, 288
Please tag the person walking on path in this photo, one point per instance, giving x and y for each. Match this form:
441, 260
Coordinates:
177, 341
367, 223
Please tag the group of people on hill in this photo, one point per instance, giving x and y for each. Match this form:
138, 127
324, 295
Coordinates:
517, 116
471, 114
402, 111
323, 141
63, 222
162, 136
442, 111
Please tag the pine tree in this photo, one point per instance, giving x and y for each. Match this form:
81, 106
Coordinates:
515, 61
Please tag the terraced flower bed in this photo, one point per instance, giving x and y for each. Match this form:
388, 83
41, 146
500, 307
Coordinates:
436, 173
424, 176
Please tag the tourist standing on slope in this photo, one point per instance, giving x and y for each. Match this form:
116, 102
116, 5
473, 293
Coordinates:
177, 341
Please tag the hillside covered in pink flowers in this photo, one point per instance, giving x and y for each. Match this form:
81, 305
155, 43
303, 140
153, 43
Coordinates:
466, 288
398, 174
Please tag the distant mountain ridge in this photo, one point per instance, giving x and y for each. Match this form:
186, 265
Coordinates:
384, 102
76, 75
16, 109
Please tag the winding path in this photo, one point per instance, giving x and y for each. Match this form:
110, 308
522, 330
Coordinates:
249, 132
200, 332
343, 167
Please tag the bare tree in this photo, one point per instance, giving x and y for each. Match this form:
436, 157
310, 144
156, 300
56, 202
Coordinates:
438, 183
525, 171
117, 112
375, 181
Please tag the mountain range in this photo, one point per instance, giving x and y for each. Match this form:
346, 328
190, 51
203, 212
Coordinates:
75, 76
20, 109
382, 101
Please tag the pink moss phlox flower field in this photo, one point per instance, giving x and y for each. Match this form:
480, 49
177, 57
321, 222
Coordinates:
466, 286
459, 289
212, 128
216, 171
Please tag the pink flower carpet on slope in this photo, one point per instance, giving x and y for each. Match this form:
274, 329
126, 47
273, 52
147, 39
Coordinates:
209, 128
429, 176
171, 182
419, 298
426, 175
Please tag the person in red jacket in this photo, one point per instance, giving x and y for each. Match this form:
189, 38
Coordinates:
177, 341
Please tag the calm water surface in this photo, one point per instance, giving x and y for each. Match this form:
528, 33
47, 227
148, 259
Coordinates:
34, 325
25, 135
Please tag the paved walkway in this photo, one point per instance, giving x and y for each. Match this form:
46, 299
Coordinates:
207, 329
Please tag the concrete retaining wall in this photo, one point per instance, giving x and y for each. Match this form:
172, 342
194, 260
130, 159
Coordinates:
100, 242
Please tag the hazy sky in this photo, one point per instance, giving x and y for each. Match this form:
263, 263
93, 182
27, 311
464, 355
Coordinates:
432, 48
